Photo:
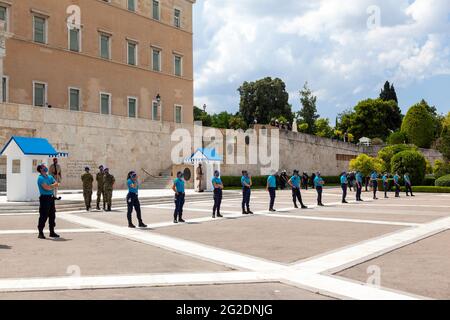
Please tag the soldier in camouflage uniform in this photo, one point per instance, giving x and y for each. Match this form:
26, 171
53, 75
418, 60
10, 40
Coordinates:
88, 181
108, 185
100, 190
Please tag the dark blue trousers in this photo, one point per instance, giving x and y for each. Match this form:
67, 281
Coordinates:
272, 194
179, 203
246, 193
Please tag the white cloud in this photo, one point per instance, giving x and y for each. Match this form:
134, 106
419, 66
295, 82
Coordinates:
325, 42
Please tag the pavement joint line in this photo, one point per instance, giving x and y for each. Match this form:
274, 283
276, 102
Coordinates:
135, 281
17, 232
367, 250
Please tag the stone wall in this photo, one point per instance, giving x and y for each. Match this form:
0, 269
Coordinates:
125, 144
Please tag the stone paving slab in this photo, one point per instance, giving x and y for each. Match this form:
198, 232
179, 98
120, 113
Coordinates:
283, 240
30, 222
422, 268
259, 291
95, 254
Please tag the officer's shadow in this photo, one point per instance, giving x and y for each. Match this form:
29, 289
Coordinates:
5, 247
60, 240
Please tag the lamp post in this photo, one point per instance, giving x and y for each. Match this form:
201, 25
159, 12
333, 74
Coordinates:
158, 100
204, 107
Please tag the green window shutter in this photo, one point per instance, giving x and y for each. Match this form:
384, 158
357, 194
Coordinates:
156, 10
39, 29
39, 95
104, 46
74, 100
132, 108
105, 103
74, 40
131, 54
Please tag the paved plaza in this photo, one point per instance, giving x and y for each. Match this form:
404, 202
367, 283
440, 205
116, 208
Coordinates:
386, 249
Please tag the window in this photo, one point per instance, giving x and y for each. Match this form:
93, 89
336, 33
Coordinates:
40, 29
156, 12
132, 53
105, 47
74, 99
16, 166
132, 5
75, 39
4, 16
178, 66
39, 94
155, 111
4, 98
156, 60
34, 165
105, 103
178, 114
177, 18
132, 107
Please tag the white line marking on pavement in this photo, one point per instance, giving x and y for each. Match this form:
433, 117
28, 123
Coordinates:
135, 281
14, 232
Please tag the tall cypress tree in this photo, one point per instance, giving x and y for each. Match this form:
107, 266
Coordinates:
308, 113
388, 92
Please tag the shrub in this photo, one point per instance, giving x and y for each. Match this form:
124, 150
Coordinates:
388, 152
377, 142
331, 179
441, 168
429, 181
428, 189
366, 165
412, 162
235, 181
419, 126
397, 137
443, 181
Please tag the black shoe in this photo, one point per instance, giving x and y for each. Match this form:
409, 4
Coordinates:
304, 207
181, 221
131, 226
54, 235
295, 206
175, 221
249, 212
41, 236
272, 210
244, 212
213, 216
412, 195
142, 225
321, 205
98, 208
344, 202
219, 215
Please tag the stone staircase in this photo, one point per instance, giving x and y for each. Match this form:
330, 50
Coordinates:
152, 182
64, 206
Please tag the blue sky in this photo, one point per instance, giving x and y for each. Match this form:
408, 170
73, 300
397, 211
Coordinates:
346, 50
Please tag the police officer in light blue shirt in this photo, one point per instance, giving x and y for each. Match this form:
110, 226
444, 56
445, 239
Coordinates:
178, 188
218, 187
47, 210
374, 181
385, 179
344, 186
295, 183
359, 185
408, 185
246, 182
318, 184
272, 187
133, 200
397, 185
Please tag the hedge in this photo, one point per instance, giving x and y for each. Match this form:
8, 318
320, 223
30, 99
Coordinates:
429, 189
429, 181
443, 181
261, 181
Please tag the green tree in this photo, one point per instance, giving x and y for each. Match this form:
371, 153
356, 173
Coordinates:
366, 164
237, 122
438, 119
397, 137
388, 152
308, 113
221, 120
412, 162
323, 128
443, 143
388, 92
200, 115
441, 168
263, 100
372, 119
419, 126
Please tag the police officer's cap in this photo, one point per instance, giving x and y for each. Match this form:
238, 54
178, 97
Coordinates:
87, 169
